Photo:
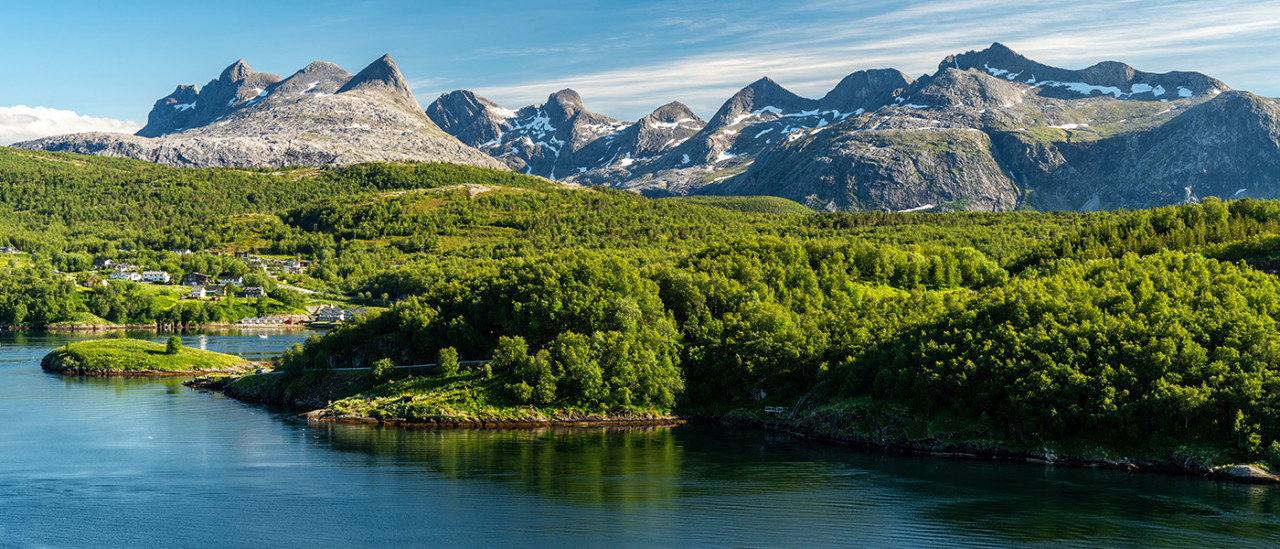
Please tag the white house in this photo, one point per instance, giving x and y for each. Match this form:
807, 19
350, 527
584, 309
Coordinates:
126, 275
156, 277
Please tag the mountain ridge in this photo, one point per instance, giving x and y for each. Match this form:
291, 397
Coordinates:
989, 130
320, 115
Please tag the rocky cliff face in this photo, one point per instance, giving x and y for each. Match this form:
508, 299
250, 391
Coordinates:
320, 115
545, 139
990, 130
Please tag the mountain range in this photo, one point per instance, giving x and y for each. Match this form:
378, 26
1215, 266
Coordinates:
320, 115
990, 130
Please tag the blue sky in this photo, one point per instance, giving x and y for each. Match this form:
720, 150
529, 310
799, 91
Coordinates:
113, 60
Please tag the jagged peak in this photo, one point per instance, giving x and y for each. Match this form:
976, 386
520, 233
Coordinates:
382, 71
183, 90
566, 96
383, 75
997, 55
236, 72
764, 84
672, 112
870, 78
320, 66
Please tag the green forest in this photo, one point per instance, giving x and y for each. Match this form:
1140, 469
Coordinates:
1151, 332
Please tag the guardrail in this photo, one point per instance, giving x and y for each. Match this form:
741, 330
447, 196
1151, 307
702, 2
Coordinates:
404, 367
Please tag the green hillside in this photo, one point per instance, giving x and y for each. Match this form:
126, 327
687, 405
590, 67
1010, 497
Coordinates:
1144, 332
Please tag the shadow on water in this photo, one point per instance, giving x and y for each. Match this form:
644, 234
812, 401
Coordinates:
580, 465
985, 503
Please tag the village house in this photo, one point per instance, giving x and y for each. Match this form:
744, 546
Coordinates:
195, 279
228, 278
9, 250
131, 276
252, 292
330, 314
156, 277
103, 263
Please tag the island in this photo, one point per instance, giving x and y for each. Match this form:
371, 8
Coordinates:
135, 357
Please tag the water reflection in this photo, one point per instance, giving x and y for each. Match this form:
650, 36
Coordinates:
99, 449
889, 499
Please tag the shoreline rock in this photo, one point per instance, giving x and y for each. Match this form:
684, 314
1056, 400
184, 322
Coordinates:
1234, 473
449, 422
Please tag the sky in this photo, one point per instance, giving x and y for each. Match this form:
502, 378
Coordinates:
78, 66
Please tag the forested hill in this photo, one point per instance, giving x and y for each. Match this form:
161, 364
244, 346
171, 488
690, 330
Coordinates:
1143, 332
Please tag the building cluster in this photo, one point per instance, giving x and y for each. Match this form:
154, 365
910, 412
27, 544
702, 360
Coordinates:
321, 315
121, 270
275, 266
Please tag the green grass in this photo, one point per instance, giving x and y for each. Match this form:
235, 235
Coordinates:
751, 204
84, 319
135, 355
463, 396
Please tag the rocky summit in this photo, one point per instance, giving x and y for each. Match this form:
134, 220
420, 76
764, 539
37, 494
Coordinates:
990, 130
319, 116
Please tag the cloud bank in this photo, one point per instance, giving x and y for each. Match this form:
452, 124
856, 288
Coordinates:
22, 123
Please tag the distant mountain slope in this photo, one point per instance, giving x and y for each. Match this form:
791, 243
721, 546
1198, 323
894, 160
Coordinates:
321, 115
990, 130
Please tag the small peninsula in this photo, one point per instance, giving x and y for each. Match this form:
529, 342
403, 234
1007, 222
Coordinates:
134, 357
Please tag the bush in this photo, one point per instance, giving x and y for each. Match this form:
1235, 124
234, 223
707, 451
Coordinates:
448, 361
1273, 455
381, 370
174, 346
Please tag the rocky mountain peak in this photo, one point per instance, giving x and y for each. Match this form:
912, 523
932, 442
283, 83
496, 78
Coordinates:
997, 55
469, 117
562, 105
672, 112
315, 80
866, 90
236, 72
383, 76
761, 94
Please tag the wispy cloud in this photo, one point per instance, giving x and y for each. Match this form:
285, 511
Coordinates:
1228, 39
22, 123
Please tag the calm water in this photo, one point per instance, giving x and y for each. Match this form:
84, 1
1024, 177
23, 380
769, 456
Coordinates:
87, 462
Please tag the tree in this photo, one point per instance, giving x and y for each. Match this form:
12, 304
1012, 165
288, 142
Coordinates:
381, 370
448, 361
174, 346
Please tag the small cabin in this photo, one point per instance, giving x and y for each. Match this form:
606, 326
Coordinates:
195, 279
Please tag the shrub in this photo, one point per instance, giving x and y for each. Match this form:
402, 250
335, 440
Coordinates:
381, 370
448, 361
174, 346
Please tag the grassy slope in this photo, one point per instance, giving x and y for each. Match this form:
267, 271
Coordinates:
460, 397
136, 356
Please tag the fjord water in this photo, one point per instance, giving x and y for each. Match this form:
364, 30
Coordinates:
134, 462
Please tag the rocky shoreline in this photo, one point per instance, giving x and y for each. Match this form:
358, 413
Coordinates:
141, 373
559, 419
813, 431
1234, 473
